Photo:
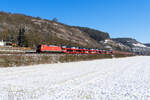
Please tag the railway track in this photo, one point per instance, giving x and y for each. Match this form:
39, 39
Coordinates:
36, 54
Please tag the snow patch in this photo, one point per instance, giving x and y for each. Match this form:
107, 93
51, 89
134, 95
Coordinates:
139, 45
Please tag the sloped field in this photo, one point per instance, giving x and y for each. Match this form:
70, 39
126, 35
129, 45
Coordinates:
109, 79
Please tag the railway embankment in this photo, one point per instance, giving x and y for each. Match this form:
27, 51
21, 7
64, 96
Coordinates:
12, 60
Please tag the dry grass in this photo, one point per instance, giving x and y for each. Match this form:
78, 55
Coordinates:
22, 60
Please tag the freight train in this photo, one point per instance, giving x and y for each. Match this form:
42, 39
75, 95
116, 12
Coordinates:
75, 50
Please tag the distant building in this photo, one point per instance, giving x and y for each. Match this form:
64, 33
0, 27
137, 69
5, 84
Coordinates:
2, 43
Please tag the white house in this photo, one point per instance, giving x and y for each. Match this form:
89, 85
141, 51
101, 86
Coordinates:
2, 43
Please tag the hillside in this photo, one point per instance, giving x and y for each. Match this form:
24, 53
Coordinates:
147, 44
134, 45
129, 41
95, 34
43, 31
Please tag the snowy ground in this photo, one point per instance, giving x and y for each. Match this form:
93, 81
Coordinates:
109, 79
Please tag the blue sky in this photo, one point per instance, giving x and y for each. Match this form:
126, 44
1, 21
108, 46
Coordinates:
120, 18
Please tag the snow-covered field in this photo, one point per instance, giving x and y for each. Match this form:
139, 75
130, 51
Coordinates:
109, 79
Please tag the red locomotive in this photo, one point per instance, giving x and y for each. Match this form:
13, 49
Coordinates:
50, 48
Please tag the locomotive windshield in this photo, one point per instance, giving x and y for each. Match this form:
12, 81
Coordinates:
38, 48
